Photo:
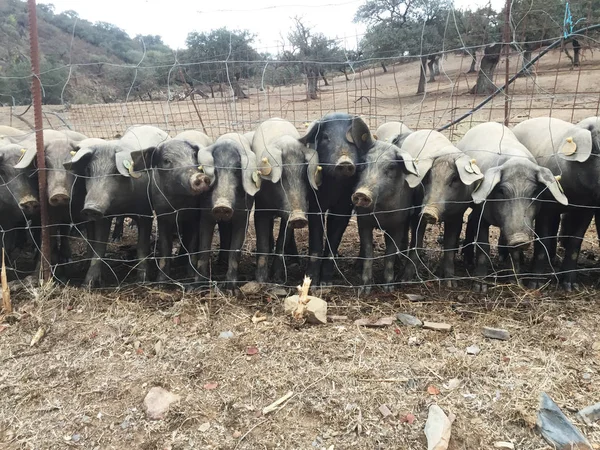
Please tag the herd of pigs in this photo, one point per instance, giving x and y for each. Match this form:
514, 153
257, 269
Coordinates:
528, 181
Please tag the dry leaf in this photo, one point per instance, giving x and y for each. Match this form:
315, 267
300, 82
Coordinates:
37, 337
211, 386
409, 419
204, 427
176, 320
251, 351
432, 390
257, 318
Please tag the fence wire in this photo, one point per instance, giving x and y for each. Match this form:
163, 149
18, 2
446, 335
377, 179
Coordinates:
378, 89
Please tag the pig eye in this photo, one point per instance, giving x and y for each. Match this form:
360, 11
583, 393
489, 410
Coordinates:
455, 178
325, 137
167, 161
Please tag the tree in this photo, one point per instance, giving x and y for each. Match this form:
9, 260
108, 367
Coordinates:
221, 56
310, 51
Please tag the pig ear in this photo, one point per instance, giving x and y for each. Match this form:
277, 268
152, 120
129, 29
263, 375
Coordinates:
576, 145
313, 169
409, 162
206, 163
490, 180
250, 175
79, 160
468, 171
141, 160
311, 135
270, 165
399, 140
360, 135
27, 158
546, 177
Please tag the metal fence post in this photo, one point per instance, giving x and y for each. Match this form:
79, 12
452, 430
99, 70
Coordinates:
507, 51
36, 91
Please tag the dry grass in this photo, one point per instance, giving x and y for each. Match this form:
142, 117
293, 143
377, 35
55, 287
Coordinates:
89, 374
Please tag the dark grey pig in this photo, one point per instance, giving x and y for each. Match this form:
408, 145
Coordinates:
342, 142
234, 180
509, 195
383, 200
573, 153
176, 182
290, 172
114, 188
447, 178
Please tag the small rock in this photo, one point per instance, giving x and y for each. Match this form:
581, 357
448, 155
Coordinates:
381, 322
437, 429
316, 308
590, 414
452, 384
158, 348
385, 411
86, 419
437, 326
596, 346
251, 288
76, 437
414, 297
157, 402
204, 427
502, 444
125, 424
473, 350
496, 333
414, 341
226, 335
279, 292
408, 320
337, 318
556, 428
412, 384
237, 434
586, 376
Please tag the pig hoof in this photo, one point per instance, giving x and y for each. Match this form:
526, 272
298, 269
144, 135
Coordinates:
480, 287
569, 287
364, 290
388, 288
450, 283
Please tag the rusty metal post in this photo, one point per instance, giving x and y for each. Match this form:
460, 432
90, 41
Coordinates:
507, 52
36, 92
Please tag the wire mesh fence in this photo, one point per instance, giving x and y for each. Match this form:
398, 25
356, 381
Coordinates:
145, 201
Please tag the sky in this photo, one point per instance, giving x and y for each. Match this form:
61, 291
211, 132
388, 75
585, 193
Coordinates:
267, 19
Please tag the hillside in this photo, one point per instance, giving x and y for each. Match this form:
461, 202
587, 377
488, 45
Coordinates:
95, 50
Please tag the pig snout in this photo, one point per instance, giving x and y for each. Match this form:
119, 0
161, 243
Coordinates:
222, 210
29, 204
431, 214
345, 167
199, 183
59, 197
363, 197
298, 220
93, 211
519, 240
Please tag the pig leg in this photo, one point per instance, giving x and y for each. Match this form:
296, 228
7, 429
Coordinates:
291, 249
101, 233
238, 236
225, 230
117, 234
189, 245
165, 243
393, 245
264, 233
414, 258
575, 224
468, 248
206, 230
452, 228
143, 246
544, 247
316, 225
482, 253
365, 231
65, 245
337, 222
278, 262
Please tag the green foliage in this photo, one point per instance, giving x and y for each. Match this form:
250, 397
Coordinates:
219, 56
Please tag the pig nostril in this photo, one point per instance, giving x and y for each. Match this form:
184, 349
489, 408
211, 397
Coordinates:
59, 199
222, 212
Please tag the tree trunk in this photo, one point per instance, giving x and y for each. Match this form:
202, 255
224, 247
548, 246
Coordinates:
421, 87
237, 90
312, 80
212, 91
576, 51
383, 67
490, 60
343, 70
436, 65
430, 67
473, 63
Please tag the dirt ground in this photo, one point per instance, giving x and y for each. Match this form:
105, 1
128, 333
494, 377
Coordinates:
83, 384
